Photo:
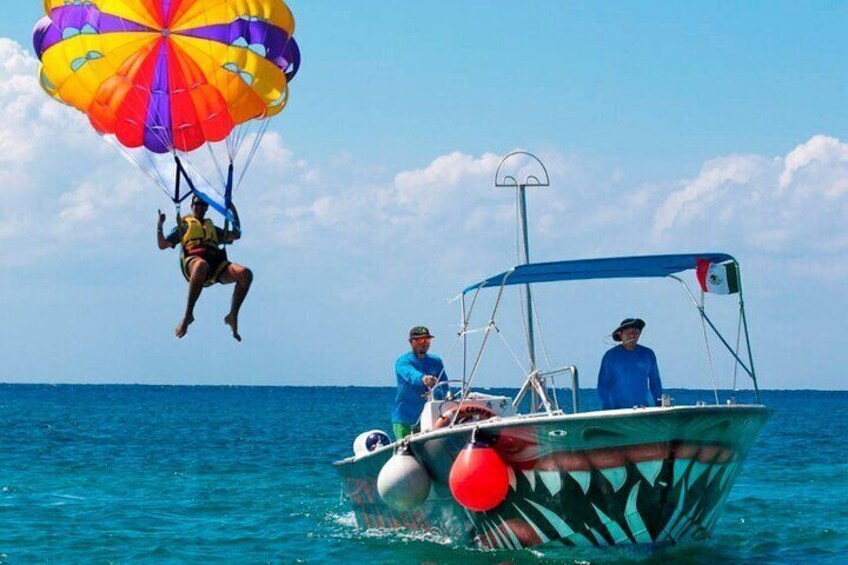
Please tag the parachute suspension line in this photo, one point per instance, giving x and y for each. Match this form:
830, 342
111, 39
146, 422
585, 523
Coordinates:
232, 142
701, 306
242, 132
148, 167
158, 177
254, 148
199, 175
220, 171
237, 137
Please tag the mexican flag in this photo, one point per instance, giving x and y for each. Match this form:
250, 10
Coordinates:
718, 278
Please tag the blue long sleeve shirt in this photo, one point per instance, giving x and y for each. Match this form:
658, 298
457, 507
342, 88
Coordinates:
409, 400
629, 378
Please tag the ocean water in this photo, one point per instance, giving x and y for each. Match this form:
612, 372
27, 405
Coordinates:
159, 474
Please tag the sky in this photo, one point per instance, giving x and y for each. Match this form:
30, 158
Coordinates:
664, 128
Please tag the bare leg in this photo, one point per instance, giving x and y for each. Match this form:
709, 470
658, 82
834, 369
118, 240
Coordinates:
243, 277
198, 270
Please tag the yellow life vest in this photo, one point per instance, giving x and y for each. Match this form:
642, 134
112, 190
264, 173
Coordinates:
198, 234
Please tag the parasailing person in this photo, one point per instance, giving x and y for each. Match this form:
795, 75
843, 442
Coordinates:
185, 90
204, 261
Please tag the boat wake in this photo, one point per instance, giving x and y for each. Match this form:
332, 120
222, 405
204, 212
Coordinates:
346, 521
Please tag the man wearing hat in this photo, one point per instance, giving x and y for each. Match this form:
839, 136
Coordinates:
417, 372
204, 262
629, 375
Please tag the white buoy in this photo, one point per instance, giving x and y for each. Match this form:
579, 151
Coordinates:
403, 482
367, 442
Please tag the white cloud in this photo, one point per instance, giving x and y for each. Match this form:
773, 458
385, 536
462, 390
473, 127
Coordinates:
431, 190
820, 152
94, 201
16, 61
784, 206
446, 171
717, 177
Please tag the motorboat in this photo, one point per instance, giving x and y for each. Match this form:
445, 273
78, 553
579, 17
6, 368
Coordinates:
518, 472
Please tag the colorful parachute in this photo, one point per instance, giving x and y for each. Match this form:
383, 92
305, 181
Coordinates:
169, 75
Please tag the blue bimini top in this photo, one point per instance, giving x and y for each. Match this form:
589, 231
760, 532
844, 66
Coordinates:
607, 268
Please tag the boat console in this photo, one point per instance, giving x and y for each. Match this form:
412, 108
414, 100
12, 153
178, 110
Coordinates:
440, 413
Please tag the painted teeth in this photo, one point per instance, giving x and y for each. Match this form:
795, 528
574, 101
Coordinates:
688, 512
698, 469
552, 480
617, 476
650, 470
690, 469
583, 479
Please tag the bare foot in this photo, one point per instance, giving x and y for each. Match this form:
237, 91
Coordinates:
232, 321
182, 329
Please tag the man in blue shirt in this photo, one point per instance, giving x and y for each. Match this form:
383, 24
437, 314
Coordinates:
629, 375
417, 372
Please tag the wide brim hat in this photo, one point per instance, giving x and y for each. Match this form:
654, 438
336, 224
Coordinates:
637, 323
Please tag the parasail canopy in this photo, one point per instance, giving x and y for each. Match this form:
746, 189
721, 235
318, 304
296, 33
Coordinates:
169, 75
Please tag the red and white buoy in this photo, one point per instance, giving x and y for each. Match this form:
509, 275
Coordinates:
479, 479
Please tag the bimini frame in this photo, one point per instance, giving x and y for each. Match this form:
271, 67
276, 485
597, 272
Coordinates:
650, 266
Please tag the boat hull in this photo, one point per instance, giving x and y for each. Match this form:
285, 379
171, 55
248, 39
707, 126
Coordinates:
641, 476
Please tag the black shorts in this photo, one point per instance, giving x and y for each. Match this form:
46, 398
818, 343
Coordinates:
216, 258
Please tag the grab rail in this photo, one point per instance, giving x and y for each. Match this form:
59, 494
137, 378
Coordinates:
575, 383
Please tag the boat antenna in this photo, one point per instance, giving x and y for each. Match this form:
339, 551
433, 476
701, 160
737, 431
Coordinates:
532, 172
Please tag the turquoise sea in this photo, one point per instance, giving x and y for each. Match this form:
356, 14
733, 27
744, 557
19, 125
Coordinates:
162, 474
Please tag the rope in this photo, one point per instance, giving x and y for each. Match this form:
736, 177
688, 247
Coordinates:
148, 169
541, 335
449, 357
255, 147
508, 348
215, 162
